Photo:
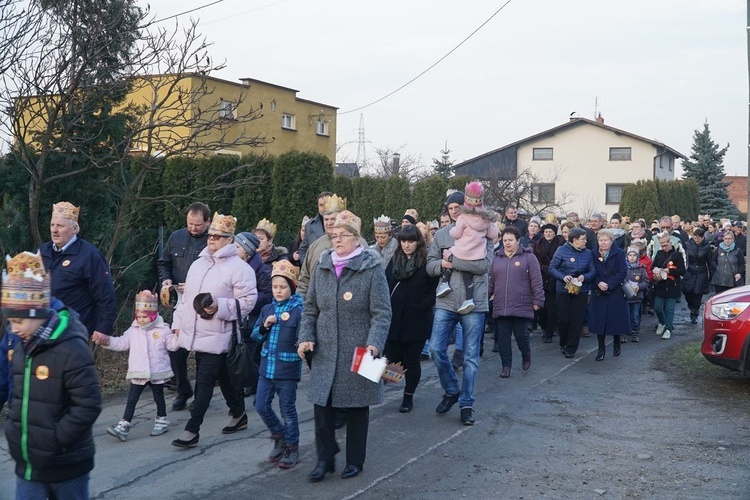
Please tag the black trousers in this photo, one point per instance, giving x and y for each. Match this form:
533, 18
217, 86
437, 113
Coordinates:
357, 423
571, 311
178, 360
209, 369
549, 313
135, 394
408, 354
693, 300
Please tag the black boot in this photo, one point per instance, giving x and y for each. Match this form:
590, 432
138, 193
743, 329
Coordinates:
407, 404
694, 316
616, 348
600, 354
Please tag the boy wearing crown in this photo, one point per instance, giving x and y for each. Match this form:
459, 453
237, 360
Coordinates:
280, 366
265, 230
56, 388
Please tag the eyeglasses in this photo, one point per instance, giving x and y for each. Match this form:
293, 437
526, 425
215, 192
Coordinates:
216, 236
341, 236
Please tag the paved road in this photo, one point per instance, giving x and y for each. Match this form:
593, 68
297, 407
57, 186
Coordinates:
621, 428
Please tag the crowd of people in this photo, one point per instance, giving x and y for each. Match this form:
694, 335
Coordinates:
418, 289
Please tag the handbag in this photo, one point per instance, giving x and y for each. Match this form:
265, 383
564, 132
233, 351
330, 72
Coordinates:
243, 371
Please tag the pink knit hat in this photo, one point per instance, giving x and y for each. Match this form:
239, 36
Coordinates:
474, 195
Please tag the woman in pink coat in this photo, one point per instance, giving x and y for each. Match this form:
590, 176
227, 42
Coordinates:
215, 283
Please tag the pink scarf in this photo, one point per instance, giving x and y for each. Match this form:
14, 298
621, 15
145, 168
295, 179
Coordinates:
340, 262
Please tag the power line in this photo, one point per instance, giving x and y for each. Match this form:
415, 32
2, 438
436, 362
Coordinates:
431, 66
187, 11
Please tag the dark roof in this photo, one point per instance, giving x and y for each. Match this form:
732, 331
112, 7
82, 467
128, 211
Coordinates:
347, 169
572, 123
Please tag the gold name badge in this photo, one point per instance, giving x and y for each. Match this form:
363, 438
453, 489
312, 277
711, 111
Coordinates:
285, 316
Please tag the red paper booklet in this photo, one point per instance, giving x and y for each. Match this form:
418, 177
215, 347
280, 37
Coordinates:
363, 363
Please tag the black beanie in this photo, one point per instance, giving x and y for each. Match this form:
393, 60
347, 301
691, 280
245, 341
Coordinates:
457, 197
409, 218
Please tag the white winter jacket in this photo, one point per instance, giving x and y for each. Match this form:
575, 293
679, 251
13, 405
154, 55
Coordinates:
148, 359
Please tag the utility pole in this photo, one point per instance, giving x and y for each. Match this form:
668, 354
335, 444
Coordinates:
747, 30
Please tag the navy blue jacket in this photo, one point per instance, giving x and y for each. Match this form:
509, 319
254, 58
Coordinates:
80, 278
279, 358
568, 261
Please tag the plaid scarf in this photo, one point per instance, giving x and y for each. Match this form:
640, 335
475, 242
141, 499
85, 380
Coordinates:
293, 302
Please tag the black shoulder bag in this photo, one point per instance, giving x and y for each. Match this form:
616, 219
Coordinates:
243, 372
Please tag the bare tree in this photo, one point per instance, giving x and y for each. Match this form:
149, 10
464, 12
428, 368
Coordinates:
523, 191
392, 163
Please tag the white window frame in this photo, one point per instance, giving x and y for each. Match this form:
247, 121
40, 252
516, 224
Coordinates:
288, 121
540, 154
619, 153
321, 127
227, 109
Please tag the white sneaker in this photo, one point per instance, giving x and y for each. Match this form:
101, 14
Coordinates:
120, 431
667, 335
466, 307
160, 426
660, 329
443, 289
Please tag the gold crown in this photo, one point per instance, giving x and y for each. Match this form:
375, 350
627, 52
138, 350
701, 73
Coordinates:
394, 372
145, 301
413, 212
382, 224
286, 269
65, 210
225, 224
267, 226
425, 230
346, 218
26, 286
334, 204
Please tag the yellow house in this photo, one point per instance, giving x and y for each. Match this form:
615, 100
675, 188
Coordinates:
581, 165
214, 116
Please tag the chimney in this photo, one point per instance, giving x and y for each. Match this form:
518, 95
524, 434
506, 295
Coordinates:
396, 164
599, 119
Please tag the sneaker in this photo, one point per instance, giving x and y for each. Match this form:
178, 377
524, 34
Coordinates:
160, 426
447, 403
623, 339
443, 289
290, 458
585, 331
667, 335
635, 338
424, 356
278, 448
660, 329
466, 307
120, 431
467, 416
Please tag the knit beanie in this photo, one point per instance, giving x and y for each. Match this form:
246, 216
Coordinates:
455, 197
248, 241
474, 195
632, 249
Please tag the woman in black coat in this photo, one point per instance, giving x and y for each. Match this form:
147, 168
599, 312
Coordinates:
544, 249
696, 280
412, 301
668, 268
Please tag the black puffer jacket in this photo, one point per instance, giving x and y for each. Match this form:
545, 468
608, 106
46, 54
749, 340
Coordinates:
57, 400
696, 278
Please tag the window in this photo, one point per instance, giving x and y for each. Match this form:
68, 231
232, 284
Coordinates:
542, 154
321, 127
614, 193
543, 193
288, 121
620, 154
226, 110
273, 105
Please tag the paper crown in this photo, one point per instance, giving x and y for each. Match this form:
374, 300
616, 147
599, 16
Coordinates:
286, 269
146, 302
26, 287
474, 194
65, 210
225, 224
394, 372
334, 204
413, 212
425, 230
267, 226
169, 296
382, 224
305, 220
434, 224
348, 219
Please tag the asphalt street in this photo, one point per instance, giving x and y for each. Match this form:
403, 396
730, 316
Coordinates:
566, 428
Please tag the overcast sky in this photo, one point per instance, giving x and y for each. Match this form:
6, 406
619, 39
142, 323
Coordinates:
659, 68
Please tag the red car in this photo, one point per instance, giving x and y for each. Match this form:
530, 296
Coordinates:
726, 329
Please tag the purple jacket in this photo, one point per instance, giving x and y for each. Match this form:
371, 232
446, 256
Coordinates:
516, 284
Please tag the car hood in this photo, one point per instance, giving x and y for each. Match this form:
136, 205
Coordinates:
740, 293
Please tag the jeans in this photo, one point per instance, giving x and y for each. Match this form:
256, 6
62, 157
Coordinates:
287, 391
473, 330
459, 335
664, 309
135, 394
518, 327
635, 315
209, 368
71, 489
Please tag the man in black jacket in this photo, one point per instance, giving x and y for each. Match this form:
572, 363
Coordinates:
314, 228
182, 249
56, 388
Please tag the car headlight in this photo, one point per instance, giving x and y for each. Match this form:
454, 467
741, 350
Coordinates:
728, 310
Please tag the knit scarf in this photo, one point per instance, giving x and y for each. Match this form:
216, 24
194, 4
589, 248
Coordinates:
726, 248
638, 234
340, 262
404, 267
